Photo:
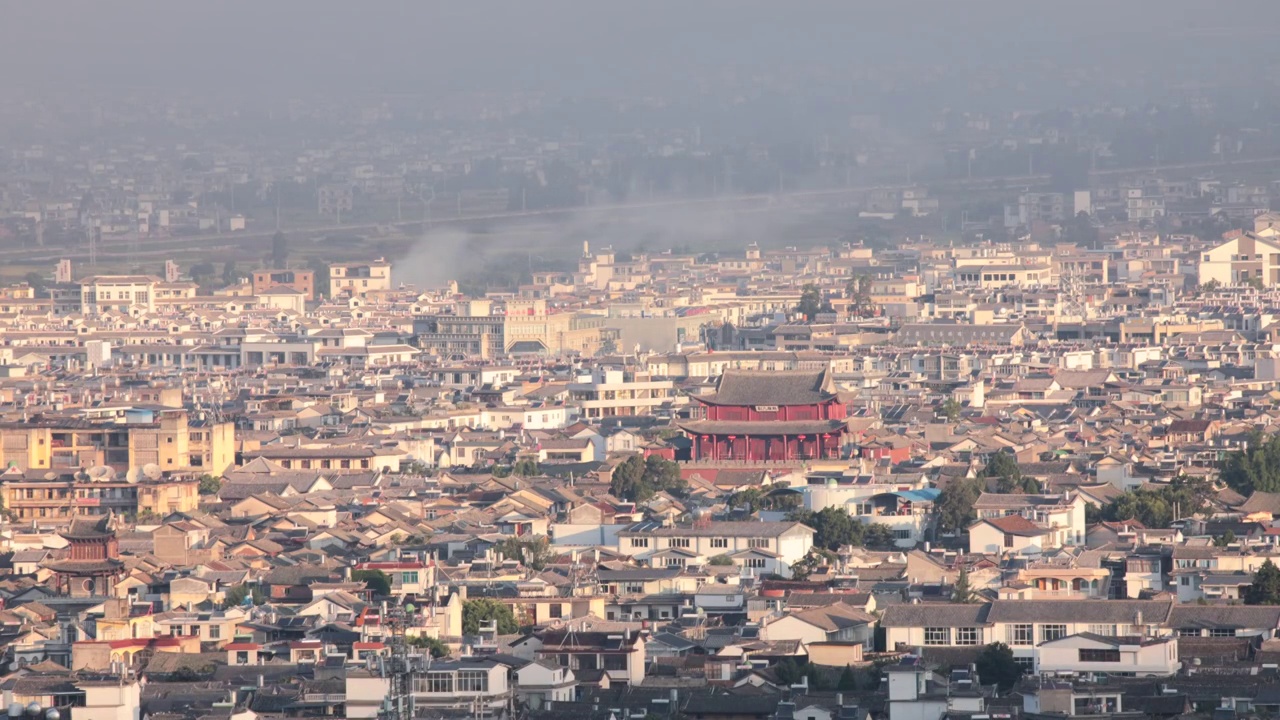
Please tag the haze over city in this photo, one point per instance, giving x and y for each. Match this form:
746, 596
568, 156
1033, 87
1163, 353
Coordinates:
711, 360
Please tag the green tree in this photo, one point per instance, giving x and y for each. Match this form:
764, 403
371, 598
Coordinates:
834, 527
229, 272
1255, 466
37, 283
858, 290
848, 679
375, 580
481, 610
1225, 539
433, 645
637, 479
962, 592
1209, 286
816, 557
1265, 589
1003, 466
1158, 507
996, 665
811, 302
320, 282
720, 561
526, 467
279, 251
950, 409
235, 596
534, 552
954, 506
210, 485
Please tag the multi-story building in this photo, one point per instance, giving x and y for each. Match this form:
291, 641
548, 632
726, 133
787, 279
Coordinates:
760, 547
468, 683
758, 416
1243, 258
33, 497
607, 392
301, 280
162, 437
106, 293
620, 655
357, 280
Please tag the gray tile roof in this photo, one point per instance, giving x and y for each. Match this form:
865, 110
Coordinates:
936, 615
1077, 611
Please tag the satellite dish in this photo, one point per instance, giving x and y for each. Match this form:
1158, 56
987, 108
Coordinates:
101, 473
134, 475
152, 471
51, 475
81, 476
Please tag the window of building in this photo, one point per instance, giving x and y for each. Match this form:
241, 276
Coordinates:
719, 542
968, 636
633, 589
555, 610
1052, 632
473, 681
1026, 663
679, 542
439, 682
1222, 632
937, 636
758, 543
215, 632
1008, 540
755, 562
1189, 632
615, 662
1099, 655
1107, 630
902, 534
409, 578
639, 542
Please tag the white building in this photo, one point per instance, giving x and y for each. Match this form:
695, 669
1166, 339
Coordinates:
1090, 653
609, 392
760, 547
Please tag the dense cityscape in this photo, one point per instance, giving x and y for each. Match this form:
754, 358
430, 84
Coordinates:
639, 371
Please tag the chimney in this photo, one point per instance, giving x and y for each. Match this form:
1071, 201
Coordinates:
261, 681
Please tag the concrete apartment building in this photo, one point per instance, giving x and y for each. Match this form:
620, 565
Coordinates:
356, 280
619, 393
301, 280
166, 438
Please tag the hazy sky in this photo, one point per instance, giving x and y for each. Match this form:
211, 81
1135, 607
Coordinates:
279, 46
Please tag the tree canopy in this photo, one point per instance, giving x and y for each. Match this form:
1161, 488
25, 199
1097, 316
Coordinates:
1158, 507
756, 499
996, 665
954, 506
811, 302
210, 485
1265, 589
481, 610
534, 551
1256, 466
834, 527
376, 580
638, 478
962, 592
432, 645
279, 251
1003, 466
